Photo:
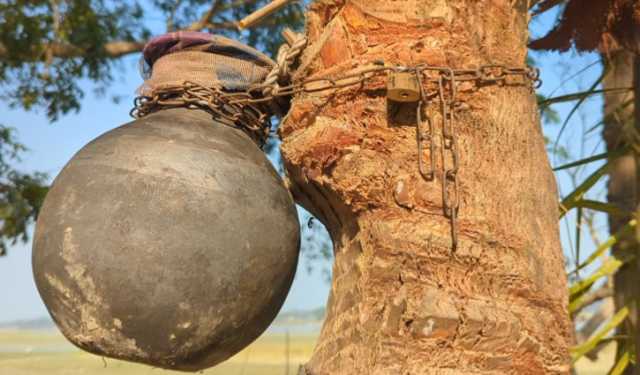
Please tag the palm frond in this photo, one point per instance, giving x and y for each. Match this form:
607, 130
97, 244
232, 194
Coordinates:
580, 350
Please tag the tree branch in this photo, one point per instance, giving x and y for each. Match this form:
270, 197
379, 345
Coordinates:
172, 15
113, 49
217, 7
206, 17
120, 48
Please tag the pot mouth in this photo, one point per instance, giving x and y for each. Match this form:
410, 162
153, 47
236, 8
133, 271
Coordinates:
196, 69
210, 61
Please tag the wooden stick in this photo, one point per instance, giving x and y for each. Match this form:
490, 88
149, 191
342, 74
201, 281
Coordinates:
261, 13
289, 36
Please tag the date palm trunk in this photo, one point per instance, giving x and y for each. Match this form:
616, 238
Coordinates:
618, 131
402, 301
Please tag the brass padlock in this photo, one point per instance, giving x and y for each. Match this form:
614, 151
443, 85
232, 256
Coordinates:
403, 87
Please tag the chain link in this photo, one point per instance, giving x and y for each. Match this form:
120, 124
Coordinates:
429, 174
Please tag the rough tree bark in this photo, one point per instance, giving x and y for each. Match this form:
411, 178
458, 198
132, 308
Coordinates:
618, 112
401, 301
636, 146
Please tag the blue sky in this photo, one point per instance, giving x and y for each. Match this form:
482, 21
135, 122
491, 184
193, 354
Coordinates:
52, 145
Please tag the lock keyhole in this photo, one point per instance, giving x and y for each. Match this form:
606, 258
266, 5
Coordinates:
403, 87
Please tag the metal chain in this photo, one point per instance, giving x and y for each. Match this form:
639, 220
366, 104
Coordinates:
450, 188
250, 110
482, 76
447, 81
193, 94
250, 117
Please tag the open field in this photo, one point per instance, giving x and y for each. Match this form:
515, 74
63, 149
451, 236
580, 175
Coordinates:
47, 352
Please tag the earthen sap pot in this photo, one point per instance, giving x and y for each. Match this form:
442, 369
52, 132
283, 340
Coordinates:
170, 241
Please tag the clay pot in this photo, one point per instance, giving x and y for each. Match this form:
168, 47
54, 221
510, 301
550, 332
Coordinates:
169, 241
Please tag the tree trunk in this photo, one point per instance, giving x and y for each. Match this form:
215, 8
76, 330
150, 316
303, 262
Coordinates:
636, 146
618, 112
402, 301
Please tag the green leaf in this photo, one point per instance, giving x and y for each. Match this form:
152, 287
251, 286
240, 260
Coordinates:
580, 162
621, 365
21, 194
578, 351
580, 101
548, 114
609, 267
578, 234
591, 159
603, 247
618, 115
607, 208
572, 199
580, 96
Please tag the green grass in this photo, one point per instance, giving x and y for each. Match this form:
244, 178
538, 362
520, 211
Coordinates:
47, 352
39, 353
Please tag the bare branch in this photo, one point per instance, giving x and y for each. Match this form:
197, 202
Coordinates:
111, 49
206, 17
261, 13
216, 8
118, 49
172, 14
226, 25
237, 3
